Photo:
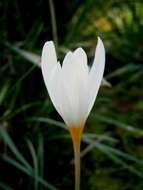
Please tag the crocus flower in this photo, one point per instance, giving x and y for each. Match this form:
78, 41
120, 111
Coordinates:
73, 87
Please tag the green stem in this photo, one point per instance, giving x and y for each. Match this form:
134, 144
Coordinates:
76, 133
53, 22
76, 146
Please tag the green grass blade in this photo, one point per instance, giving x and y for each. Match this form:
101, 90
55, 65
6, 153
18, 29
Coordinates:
13, 148
26, 171
35, 162
27, 55
123, 70
40, 156
16, 164
21, 79
124, 155
47, 120
114, 157
21, 109
119, 124
5, 186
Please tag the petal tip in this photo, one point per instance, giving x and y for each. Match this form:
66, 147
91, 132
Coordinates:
48, 58
48, 43
100, 45
79, 51
99, 41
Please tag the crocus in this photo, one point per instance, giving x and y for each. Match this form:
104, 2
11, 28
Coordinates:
73, 88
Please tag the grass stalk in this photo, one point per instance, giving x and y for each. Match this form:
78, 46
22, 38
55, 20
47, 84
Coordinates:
53, 22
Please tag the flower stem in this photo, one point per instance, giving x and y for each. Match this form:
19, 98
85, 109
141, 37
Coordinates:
76, 133
77, 165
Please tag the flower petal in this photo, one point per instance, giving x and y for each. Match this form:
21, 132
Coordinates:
51, 70
75, 76
53, 86
96, 73
57, 93
48, 60
75, 59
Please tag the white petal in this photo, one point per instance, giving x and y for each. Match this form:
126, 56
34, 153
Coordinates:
51, 70
59, 96
48, 60
53, 86
75, 75
75, 59
96, 73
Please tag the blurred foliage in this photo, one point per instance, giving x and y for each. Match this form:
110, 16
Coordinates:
35, 149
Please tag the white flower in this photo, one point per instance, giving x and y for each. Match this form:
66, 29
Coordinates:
73, 87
